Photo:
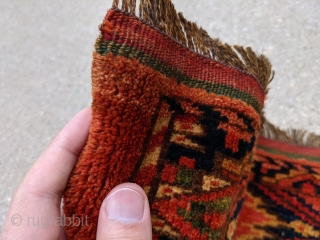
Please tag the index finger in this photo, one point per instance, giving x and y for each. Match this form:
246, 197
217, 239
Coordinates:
50, 173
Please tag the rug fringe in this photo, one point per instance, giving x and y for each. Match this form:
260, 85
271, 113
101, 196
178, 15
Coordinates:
162, 15
291, 136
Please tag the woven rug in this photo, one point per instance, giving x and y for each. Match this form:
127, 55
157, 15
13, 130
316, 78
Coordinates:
178, 113
283, 191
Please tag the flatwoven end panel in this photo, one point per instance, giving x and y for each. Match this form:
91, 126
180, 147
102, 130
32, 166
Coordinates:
178, 119
283, 194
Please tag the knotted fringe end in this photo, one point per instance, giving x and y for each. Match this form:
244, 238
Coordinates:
291, 136
162, 15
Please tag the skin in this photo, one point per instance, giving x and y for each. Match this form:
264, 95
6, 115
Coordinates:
39, 194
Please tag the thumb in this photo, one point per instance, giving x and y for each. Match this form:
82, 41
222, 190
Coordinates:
125, 214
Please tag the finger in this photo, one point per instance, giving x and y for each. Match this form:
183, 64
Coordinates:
34, 211
49, 175
125, 214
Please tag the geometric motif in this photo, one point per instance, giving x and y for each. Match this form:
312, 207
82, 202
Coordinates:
190, 169
283, 195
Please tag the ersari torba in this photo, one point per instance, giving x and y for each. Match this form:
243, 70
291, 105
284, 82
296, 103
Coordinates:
178, 113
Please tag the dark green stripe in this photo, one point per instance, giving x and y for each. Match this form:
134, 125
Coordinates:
288, 154
106, 47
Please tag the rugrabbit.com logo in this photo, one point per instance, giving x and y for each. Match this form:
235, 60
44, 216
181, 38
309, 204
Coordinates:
44, 222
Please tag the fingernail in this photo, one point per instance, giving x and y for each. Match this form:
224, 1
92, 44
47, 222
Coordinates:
125, 205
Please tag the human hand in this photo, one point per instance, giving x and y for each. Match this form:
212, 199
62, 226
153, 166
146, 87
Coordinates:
35, 207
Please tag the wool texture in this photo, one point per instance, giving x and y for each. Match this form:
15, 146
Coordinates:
282, 200
179, 119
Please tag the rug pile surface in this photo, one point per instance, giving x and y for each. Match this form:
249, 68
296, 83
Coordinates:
179, 113
283, 193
